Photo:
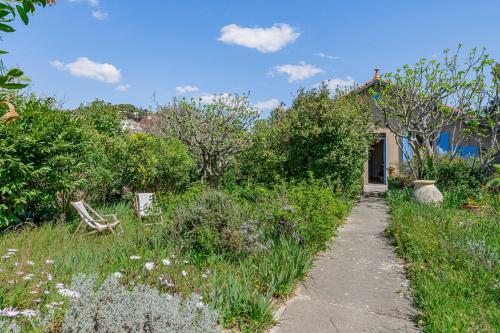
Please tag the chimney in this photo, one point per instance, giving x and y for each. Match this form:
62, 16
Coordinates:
377, 74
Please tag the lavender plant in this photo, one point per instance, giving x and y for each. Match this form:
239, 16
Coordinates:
114, 308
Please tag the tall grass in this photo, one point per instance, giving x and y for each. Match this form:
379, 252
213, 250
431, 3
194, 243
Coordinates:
453, 263
241, 287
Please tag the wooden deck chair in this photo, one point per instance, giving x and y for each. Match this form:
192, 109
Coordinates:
146, 207
98, 223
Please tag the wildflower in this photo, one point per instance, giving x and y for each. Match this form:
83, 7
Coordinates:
59, 285
166, 282
2, 270
200, 305
28, 277
11, 282
49, 276
46, 292
166, 262
38, 300
204, 276
30, 263
12, 250
13, 326
117, 275
9, 312
29, 313
135, 258
49, 261
184, 273
185, 261
34, 292
16, 264
6, 257
173, 256
69, 293
20, 273
149, 266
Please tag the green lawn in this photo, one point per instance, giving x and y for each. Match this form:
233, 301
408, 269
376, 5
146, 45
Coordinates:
453, 264
242, 289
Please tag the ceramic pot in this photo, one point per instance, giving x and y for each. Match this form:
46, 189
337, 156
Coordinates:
425, 191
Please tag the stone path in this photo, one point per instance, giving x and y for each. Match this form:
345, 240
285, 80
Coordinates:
356, 286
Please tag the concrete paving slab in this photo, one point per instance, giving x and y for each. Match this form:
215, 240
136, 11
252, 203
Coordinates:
356, 286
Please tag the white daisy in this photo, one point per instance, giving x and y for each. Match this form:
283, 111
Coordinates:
9, 312
135, 258
30, 263
166, 262
69, 293
49, 261
149, 266
29, 313
117, 275
184, 273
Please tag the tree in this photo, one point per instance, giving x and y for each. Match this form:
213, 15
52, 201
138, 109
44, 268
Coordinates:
215, 132
328, 137
418, 102
104, 117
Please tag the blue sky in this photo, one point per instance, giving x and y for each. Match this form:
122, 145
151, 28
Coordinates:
122, 52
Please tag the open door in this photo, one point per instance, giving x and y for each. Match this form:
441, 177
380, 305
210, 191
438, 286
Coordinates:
377, 173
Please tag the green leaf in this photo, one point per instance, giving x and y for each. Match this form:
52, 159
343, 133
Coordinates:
6, 28
15, 72
26, 5
3, 52
13, 86
22, 14
3, 13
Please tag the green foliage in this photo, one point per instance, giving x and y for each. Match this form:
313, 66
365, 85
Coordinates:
50, 157
156, 164
214, 223
453, 263
40, 158
329, 138
105, 118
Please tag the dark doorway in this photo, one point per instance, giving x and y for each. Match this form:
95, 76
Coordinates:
376, 162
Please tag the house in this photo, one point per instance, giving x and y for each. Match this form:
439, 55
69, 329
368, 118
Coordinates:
386, 155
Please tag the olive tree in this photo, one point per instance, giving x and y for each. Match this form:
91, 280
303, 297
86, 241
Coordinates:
215, 132
418, 102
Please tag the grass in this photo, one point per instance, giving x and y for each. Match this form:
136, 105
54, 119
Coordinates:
242, 290
453, 264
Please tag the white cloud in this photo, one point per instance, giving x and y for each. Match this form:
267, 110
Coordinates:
263, 39
186, 89
93, 3
326, 56
84, 67
57, 64
268, 105
210, 98
101, 16
335, 83
123, 87
298, 72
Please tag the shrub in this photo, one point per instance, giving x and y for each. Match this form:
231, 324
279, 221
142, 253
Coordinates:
329, 138
104, 117
113, 308
214, 223
40, 161
156, 164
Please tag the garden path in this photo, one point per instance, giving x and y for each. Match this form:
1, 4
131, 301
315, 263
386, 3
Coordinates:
356, 286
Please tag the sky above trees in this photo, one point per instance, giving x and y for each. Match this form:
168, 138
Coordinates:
121, 52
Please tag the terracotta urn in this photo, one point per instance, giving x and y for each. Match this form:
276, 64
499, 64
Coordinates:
425, 191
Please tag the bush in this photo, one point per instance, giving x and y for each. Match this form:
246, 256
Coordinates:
214, 223
41, 158
156, 164
113, 308
329, 138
